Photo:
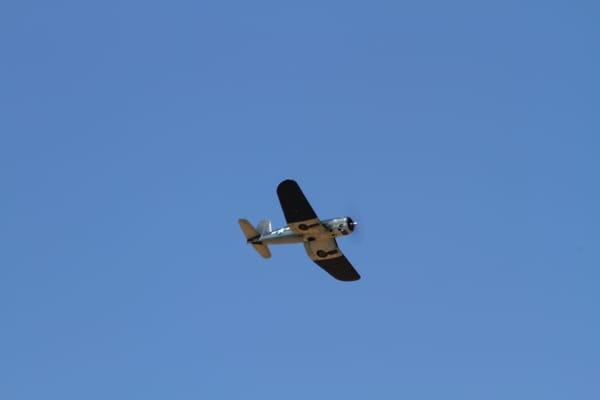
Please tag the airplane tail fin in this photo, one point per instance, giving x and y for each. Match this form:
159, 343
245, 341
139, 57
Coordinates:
264, 227
253, 234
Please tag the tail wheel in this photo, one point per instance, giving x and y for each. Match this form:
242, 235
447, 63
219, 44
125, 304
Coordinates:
321, 253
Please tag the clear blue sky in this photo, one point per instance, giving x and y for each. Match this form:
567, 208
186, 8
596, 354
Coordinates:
464, 137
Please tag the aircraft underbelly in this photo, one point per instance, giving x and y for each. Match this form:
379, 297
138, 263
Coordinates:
284, 238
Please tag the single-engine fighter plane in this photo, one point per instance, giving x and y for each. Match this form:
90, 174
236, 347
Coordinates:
305, 227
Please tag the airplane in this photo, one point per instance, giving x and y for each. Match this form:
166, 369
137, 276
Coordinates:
305, 227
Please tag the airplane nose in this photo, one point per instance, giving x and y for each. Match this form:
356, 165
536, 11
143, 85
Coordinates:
352, 224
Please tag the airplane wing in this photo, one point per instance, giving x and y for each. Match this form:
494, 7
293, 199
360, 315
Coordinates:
298, 212
327, 255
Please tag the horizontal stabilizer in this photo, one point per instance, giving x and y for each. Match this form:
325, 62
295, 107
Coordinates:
262, 249
248, 229
252, 235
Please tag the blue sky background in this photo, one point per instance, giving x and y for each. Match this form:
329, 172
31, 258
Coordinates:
464, 137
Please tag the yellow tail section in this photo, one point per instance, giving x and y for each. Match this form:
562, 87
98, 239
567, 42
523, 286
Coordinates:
248, 229
252, 234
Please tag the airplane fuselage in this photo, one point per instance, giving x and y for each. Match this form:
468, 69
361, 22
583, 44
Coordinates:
334, 227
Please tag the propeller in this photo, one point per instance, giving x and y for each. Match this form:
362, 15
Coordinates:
358, 225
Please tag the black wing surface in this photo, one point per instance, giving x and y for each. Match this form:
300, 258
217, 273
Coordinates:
293, 202
327, 255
